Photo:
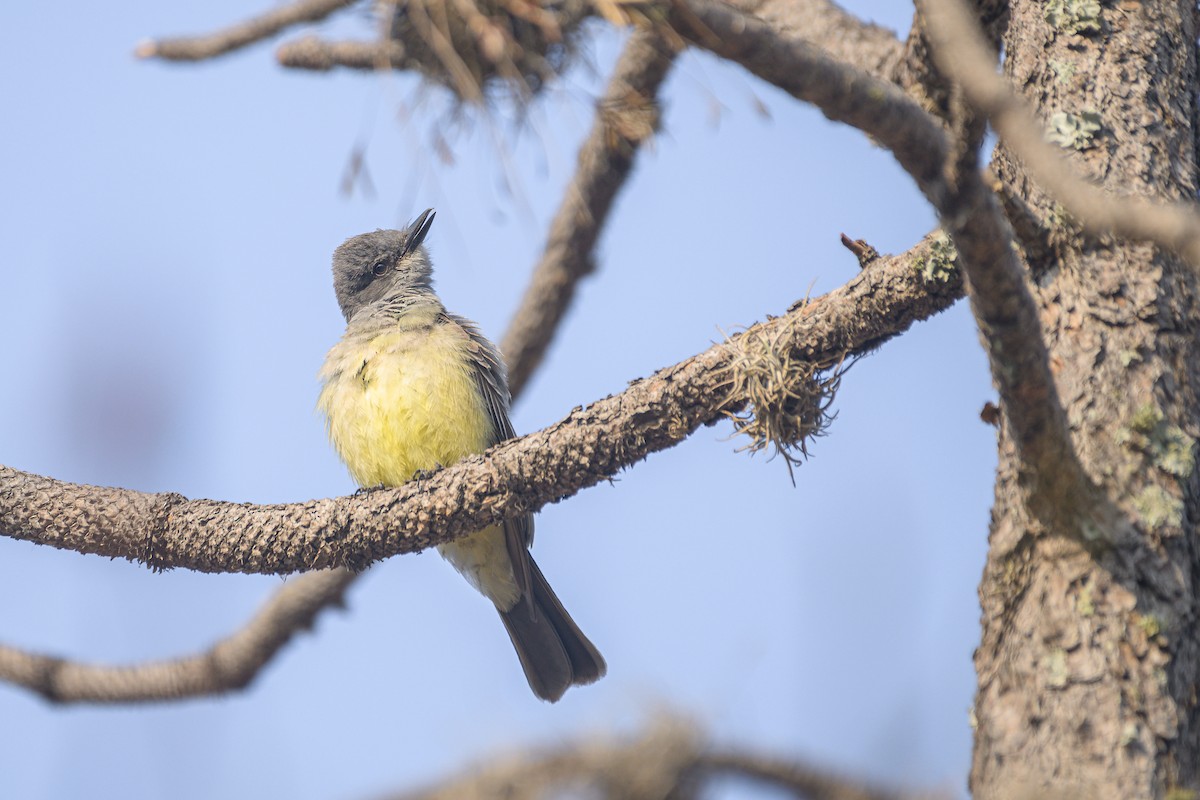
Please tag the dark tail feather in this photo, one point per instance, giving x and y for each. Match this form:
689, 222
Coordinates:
553, 651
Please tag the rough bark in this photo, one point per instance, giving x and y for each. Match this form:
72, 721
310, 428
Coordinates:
1088, 663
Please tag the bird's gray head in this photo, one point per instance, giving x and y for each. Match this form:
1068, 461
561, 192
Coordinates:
375, 266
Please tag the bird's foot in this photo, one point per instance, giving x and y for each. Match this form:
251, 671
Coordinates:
426, 474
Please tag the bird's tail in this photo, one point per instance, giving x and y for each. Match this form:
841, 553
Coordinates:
553, 651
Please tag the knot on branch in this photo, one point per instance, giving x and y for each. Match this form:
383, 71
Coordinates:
785, 399
469, 46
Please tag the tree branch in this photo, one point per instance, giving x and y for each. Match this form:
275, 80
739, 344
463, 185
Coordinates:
626, 117
590, 445
198, 48
961, 51
1000, 300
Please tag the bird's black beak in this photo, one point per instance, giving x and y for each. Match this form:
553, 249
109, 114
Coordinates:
417, 231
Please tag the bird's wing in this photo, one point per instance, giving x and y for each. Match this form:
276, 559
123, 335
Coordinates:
491, 377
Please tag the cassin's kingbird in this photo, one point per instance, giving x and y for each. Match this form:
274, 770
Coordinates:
411, 387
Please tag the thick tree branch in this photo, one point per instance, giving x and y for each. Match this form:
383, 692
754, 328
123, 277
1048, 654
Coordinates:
970, 213
626, 117
962, 52
590, 445
231, 663
894, 296
198, 48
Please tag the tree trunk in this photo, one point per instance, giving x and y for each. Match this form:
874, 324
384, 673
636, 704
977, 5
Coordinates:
1089, 666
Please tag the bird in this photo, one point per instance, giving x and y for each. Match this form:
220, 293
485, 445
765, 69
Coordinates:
411, 388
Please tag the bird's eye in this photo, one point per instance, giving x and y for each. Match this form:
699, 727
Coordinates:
379, 268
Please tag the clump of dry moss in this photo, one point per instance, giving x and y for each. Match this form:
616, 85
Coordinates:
786, 399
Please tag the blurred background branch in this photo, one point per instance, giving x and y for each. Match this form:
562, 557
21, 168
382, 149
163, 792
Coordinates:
671, 758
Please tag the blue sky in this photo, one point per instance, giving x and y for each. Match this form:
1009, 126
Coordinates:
166, 298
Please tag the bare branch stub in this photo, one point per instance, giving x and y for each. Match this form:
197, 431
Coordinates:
862, 250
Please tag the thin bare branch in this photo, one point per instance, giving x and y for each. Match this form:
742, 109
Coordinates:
232, 663
961, 51
590, 445
969, 212
626, 117
198, 48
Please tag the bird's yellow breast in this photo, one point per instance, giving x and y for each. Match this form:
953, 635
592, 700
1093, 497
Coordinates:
402, 400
